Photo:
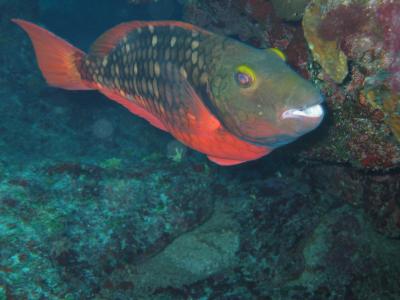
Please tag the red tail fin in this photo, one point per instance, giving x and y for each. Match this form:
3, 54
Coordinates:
57, 58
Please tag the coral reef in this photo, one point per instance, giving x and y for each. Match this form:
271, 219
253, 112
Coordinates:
358, 34
388, 19
93, 221
85, 231
375, 194
325, 52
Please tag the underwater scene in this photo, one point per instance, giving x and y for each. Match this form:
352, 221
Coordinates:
187, 149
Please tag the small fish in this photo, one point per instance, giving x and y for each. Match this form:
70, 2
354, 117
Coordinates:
216, 95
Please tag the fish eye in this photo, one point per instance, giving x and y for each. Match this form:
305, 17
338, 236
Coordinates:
243, 79
244, 76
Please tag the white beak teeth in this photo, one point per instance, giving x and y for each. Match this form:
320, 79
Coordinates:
314, 111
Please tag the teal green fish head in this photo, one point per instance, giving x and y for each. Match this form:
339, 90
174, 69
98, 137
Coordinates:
260, 99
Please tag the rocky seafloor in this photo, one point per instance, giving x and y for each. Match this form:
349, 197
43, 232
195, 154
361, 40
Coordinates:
97, 204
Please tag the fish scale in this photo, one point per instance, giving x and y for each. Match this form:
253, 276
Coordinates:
154, 57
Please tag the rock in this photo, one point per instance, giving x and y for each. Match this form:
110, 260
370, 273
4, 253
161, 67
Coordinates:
290, 10
382, 203
94, 219
341, 253
332, 60
206, 251
363, 127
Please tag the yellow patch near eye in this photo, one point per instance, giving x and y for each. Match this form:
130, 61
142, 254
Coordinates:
279, 53
246, 70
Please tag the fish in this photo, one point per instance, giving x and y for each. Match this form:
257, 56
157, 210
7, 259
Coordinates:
219, 96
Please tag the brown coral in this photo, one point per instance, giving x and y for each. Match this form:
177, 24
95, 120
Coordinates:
326, 53
343, 21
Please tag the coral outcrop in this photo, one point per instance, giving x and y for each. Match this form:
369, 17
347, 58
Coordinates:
332, 60
358, 34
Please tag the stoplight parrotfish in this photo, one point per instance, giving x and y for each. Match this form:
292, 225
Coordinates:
214, 94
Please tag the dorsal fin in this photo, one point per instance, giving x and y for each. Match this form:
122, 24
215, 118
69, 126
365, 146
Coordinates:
108, 40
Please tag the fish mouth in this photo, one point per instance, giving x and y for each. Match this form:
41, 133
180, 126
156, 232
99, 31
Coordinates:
296, 122
312, 112
301, 121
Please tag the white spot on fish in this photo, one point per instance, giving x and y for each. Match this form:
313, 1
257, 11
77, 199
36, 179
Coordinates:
204, 78
195, 45
173, 41
194, 57
183, 72
154, 40
155, 88
157, 69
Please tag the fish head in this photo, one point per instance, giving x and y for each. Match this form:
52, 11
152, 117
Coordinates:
260, 99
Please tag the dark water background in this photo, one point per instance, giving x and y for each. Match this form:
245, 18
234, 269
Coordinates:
82, 21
